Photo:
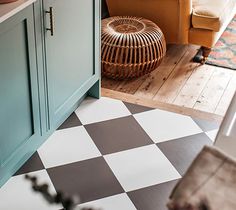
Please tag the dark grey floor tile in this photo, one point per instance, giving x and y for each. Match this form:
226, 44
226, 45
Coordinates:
33, 164
153, 197
181, 152
90, 179
207, 125
71, 121
118, 134
134, 108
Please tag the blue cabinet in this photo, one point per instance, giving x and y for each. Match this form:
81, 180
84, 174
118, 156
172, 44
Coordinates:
43, 78
71, 52
19, 106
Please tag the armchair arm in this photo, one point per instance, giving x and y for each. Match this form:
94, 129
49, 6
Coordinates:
172, 16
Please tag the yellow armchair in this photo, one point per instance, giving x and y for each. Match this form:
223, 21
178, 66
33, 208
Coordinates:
199, 22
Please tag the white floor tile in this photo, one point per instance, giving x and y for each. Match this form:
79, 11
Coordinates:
163, 126
17, 194
141, 167
212, 134
67, 146
116, 202
94, 110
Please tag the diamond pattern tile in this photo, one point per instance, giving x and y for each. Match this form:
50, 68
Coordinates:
212, 134
91, 179
67, 146
72, 121
207, 125
181, 152
163, 126
17, 194
33, 164
153, 197
92, 110
118, 135
135, 109
115, 202
115, 155
141, 167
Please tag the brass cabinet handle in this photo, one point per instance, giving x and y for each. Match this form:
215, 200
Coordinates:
51, 29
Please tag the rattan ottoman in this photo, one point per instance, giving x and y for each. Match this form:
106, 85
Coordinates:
131, 47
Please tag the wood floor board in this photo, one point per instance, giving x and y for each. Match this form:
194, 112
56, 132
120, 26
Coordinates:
173, 85
110, 83
191, 91
179, 85
157, 78
131, 86
214, 90
227, 96
160, 105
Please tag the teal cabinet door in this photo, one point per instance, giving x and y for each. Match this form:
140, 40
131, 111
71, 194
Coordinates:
19, 103
71, 52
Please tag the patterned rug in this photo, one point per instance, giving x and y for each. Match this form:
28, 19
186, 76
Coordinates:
224, 52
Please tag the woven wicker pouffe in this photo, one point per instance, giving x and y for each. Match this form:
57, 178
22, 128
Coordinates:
131, 47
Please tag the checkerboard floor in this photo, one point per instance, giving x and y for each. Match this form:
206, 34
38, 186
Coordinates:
115, 155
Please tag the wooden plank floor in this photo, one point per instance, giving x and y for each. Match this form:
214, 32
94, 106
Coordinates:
180, 82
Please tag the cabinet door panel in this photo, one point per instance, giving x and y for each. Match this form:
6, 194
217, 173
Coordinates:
70, 51
19, 109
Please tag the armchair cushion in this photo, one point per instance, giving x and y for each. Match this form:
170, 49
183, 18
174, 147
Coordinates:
211, 14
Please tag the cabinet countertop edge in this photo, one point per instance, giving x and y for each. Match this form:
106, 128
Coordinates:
10, 9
